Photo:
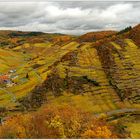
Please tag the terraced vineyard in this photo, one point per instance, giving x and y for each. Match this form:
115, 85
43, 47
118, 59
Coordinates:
127, 75
103, 97
36, 65
100, 77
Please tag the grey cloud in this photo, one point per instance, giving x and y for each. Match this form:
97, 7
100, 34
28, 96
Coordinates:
72, 17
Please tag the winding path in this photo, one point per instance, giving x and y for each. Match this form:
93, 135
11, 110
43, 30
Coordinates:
120, 112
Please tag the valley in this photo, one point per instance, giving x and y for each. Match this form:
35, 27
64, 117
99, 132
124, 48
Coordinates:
96, 74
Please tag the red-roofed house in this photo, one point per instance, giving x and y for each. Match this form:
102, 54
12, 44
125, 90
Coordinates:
4, 78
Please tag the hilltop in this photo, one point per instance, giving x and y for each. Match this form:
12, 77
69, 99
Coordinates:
96, 73
94, 36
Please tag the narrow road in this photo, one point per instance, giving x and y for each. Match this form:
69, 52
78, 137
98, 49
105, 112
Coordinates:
119, 112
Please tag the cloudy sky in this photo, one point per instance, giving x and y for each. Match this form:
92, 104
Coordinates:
71, 17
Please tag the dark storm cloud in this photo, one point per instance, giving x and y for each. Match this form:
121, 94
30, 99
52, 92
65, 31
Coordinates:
72, 17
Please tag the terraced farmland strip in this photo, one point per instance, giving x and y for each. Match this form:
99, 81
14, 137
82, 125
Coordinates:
89, 64
128, 70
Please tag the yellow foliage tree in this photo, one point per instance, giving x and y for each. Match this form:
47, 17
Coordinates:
57, 122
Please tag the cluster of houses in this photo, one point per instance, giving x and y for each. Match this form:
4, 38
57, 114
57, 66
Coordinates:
7, 79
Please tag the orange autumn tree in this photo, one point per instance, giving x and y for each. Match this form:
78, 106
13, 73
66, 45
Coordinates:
57, 122
99, 128
16, 126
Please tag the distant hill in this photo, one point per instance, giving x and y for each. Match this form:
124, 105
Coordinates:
14, 38
94, 36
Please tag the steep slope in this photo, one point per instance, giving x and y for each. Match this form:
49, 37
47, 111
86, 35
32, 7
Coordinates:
134, 34
122, 67
96, 78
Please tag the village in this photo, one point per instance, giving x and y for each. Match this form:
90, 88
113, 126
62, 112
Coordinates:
6, 79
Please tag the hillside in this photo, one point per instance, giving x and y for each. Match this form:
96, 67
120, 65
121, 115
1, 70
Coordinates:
11, 39
96, 73
134, 34
94, 36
